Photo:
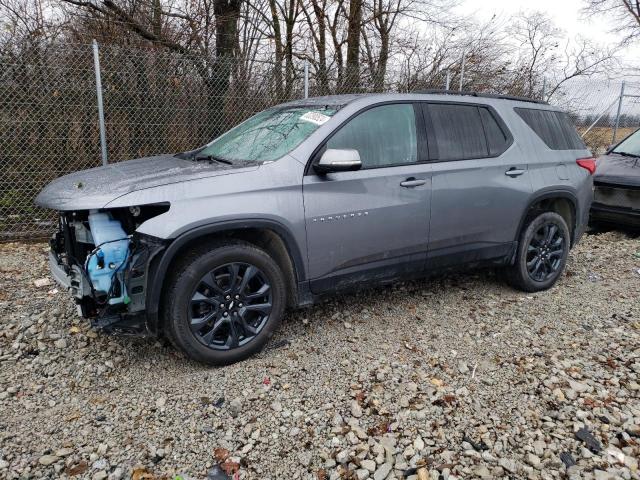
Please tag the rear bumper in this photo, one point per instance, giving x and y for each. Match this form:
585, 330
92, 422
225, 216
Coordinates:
617, 215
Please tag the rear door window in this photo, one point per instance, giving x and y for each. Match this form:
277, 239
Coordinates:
554, 128
458, 131
462, 131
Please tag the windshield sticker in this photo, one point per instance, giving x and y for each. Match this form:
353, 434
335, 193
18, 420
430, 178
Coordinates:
315, 117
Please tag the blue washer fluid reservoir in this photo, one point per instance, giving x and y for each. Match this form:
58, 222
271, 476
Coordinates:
107, 261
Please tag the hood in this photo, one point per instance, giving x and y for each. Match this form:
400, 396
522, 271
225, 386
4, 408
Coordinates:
95, 187
618, 169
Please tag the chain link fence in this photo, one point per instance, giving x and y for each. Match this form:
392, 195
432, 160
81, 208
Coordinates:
157, 102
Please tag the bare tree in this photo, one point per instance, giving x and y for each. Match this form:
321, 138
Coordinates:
189, 30
544, 53
385, 24
326, 28
316, 14
284, 16
626, 13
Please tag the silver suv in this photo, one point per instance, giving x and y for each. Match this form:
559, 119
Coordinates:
209, 247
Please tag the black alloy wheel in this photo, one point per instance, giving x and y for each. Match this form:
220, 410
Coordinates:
230, 306
542, 252
545, 252
223, 301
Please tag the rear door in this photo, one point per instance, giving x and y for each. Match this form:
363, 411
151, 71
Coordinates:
480, 184
371, 224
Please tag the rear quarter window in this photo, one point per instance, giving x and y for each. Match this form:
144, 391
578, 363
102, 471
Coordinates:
553, 128
497, 139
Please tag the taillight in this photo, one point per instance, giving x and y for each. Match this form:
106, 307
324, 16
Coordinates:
588, 164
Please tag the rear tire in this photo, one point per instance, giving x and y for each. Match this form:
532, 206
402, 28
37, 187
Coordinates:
543, 248
223, 302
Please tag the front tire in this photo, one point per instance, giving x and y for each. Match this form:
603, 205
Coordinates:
542, 253
223, 302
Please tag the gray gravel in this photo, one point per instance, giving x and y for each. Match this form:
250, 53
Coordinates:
456, 377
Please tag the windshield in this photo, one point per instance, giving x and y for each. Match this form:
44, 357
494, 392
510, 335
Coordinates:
268, 135
630, 145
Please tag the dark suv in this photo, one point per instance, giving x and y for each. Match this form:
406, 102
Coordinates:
209, 247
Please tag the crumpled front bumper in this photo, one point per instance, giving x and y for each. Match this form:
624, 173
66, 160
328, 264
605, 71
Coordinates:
58, 272
74, 281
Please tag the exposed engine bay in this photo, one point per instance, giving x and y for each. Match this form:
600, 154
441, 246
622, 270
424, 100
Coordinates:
100, 258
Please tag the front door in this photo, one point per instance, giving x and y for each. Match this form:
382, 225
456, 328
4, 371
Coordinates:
371, 224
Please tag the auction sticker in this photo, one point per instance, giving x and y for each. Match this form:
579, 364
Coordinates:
315, 117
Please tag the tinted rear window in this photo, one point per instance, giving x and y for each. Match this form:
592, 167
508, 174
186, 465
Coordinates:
553, 128
496, 138
464, 132
458, 131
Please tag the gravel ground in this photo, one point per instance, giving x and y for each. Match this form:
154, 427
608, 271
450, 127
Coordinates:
456, 377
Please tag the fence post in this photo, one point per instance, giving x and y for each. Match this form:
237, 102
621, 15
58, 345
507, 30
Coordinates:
103, 132
448, 80
306, 78
615, 128
462, 69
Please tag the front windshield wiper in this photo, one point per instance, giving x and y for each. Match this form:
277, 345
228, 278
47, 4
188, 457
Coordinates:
211, 158
627, 154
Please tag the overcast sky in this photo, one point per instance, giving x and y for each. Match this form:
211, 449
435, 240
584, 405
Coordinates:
565, 13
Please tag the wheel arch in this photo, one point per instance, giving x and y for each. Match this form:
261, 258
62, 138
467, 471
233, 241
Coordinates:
269, 235
563, 202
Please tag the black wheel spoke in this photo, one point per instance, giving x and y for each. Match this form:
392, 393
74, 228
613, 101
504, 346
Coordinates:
532, 262
209, 335
233, 278
551, 231
201, 298
536, 267
249, 273
261, 292
233, 338
209, 280
248, 328
230, 305
264, 308
198, 323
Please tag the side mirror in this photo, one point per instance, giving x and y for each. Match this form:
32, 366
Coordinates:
338, 160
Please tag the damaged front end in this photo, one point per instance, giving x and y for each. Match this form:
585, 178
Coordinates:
106, 264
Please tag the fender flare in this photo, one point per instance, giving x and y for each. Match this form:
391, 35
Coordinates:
158, 271
553, 193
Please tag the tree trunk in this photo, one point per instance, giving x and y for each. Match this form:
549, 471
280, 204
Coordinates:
354, 29
157, 18
383, 60
277, 32
290, 23
323, 76
227, 13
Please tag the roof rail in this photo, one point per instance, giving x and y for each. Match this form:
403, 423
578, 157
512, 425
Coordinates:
436, 91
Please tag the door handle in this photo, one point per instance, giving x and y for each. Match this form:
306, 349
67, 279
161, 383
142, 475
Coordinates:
412, 182
514, 172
